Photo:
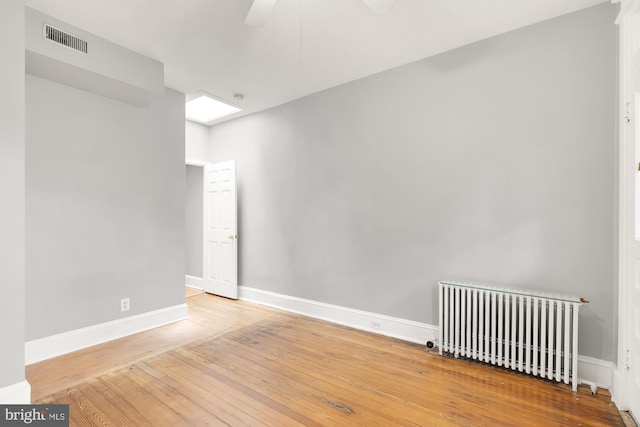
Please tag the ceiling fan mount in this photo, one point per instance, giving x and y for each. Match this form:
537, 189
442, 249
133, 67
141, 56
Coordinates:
260, 10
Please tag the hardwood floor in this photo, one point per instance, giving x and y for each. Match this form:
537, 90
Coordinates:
240, 364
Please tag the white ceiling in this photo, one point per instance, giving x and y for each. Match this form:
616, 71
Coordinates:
304, 47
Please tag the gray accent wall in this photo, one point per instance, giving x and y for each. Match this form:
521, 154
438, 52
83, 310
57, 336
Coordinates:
12, 170
193, 219
105, 192
494, 162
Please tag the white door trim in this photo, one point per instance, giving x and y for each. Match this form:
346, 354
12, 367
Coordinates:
196, 163
628, 29
620, 386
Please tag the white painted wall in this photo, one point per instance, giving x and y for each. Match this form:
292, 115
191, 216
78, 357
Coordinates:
493, 162
197, 142
105, 207
12, 222
107, 68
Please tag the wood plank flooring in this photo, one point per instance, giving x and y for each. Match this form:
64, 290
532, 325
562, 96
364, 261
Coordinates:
239, 364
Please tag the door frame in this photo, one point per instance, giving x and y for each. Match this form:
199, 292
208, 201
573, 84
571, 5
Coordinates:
193, 281
201, 283
628, 21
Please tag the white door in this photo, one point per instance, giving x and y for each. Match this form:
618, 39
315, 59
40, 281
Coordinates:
220, 269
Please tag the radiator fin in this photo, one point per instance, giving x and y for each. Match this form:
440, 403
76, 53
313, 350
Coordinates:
526, 331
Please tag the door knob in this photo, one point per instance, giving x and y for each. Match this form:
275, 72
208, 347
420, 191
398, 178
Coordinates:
233, 236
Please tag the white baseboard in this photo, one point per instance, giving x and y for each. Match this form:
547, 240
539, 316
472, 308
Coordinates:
591, 371
194, 282
16, 394
596, 371
395, 327
56, 345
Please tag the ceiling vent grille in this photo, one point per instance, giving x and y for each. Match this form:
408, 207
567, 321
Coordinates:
66, 39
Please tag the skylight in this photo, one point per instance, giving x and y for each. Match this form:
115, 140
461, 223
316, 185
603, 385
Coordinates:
205, 109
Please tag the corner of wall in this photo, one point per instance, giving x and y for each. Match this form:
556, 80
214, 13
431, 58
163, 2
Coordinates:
57, 345
16, 394
13, 386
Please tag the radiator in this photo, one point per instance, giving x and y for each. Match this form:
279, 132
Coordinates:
527, 331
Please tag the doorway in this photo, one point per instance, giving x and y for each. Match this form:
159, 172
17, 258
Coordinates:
194, 210
211, 228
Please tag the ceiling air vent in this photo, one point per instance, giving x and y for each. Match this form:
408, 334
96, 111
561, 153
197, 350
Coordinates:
66, 39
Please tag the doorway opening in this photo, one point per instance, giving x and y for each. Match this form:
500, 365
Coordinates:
194, 211
211, 227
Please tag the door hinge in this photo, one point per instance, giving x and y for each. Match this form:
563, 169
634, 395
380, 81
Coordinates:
627, 115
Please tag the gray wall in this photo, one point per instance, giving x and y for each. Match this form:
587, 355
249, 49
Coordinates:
105, 206
193, 219
107, 68
12, 222
490, 163
198, 146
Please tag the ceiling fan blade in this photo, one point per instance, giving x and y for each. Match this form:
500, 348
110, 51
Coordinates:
379, 6
259, 12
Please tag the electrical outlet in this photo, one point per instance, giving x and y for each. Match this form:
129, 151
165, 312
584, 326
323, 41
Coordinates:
375, 324
125, 304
